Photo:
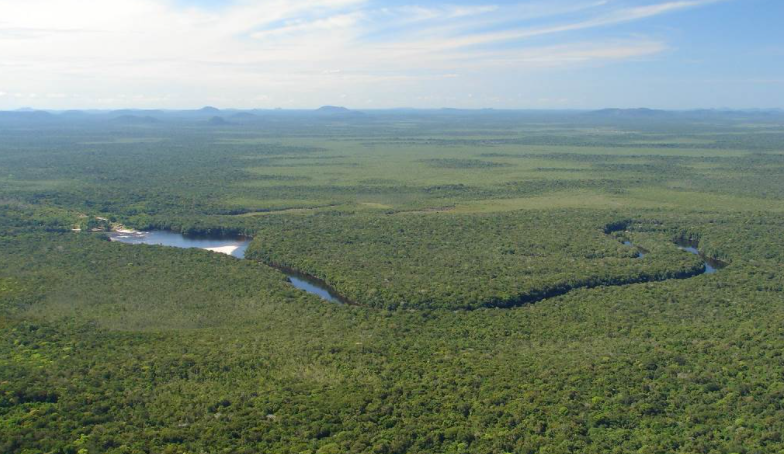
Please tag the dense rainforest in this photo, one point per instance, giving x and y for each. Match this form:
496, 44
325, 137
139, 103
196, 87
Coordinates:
516, 283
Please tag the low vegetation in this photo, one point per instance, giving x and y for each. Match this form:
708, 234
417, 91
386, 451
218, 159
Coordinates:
447, 242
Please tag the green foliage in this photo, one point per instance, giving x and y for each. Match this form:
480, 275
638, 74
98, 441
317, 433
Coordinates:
114, 348
464, 163
463, 262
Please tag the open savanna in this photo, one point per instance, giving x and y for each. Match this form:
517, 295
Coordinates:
515, 280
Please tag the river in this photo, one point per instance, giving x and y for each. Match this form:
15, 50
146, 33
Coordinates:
235, 247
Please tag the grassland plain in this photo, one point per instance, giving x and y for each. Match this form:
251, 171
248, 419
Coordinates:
438, 226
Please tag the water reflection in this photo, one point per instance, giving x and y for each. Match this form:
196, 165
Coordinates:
235, 247
711, 265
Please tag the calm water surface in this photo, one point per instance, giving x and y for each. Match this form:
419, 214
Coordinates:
236, 247
640, 254
231, 246
711, 266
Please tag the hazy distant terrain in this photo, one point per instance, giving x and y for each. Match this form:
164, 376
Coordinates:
517, 278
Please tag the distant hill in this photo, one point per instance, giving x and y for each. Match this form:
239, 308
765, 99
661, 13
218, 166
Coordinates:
333, 109
209, 110
135, 120
630, 113
682, 115
135, 112
74, 113
244, 116
337, 111
30, 116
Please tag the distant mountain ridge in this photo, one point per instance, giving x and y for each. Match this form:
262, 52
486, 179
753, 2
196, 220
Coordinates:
27, 115
338, 111
137, 112
135, 120
341, 114
244, 116
642, 112
333, 109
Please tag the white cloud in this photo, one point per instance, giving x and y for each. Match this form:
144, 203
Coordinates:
613, 17
326, 25
290, 50
575, 53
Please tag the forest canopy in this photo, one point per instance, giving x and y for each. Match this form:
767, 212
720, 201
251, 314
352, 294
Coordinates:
515, 283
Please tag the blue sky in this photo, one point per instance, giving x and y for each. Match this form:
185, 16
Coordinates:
674, 54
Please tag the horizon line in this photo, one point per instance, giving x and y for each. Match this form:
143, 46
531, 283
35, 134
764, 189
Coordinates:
476, 109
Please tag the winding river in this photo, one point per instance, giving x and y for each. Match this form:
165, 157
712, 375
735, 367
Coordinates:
640, 252
235, 247
711, 265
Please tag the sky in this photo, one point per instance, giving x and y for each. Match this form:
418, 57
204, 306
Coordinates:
372, 54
